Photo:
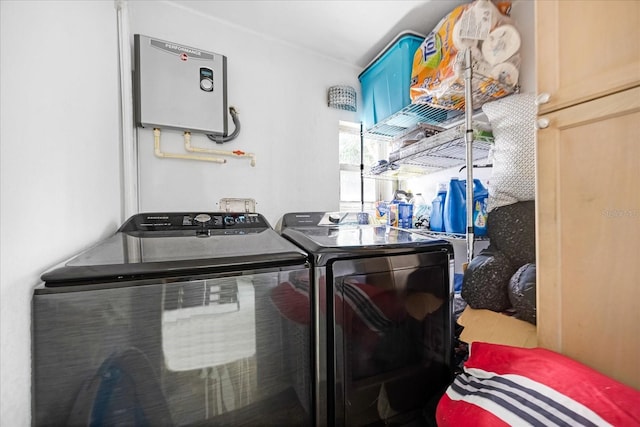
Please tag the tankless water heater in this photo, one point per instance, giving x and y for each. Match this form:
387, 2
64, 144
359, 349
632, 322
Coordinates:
179, 87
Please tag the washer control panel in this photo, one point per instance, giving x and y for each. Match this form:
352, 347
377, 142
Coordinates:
197, 221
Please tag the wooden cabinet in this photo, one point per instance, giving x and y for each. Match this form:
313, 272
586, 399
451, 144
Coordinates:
586, 49
588, 185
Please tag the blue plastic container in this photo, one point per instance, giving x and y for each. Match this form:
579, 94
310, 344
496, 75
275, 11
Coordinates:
386, 81
405, 215
457, 282
480, 197
455, 207
455, 217
436, 223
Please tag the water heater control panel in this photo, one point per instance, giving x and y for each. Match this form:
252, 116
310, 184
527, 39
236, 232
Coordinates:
179, 87
206, 79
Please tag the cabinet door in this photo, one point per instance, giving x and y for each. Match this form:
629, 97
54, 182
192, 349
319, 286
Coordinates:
586, 49
588, 234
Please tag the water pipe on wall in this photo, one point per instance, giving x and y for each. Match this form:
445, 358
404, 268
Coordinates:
218, 139
159, 153
234, 153
130, 173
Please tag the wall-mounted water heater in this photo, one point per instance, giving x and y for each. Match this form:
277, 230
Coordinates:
179, 87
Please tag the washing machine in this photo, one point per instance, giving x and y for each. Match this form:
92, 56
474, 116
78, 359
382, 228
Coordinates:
173, 320
382, 322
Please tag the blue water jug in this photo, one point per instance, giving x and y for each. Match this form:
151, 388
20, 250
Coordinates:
455, 217
436, 222
455, 207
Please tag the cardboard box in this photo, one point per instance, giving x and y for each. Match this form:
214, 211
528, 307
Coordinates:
497, 328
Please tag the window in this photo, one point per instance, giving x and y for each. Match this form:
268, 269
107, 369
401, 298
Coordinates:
375, 188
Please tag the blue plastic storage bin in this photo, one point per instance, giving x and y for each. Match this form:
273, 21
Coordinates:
386, 81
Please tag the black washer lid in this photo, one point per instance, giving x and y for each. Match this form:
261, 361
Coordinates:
168, 244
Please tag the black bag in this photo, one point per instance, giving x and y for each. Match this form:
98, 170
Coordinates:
522, 293
486, 281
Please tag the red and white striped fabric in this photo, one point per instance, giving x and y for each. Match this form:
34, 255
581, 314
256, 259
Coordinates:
512, 386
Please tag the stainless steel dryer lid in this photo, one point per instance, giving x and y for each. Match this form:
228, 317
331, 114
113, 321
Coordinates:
355, 237
326, 242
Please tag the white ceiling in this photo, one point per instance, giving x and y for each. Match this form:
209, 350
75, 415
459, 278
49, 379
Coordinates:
350, 31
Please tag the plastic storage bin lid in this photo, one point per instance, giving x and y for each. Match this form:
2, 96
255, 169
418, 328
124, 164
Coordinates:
386, 81
387, 48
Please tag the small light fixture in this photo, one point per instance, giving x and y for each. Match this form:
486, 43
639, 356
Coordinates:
342, 98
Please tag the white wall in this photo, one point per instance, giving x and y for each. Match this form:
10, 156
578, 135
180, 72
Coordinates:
60, 187
523, 12
281, 93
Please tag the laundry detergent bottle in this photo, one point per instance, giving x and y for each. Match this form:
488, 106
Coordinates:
436, 222
421, 211
480, 197
455, 217
455, 207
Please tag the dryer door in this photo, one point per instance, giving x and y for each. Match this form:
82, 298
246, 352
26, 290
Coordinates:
392, 335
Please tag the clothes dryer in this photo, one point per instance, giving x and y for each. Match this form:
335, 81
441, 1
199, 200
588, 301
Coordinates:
381, 305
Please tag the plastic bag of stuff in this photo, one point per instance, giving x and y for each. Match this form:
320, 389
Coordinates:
484, 28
